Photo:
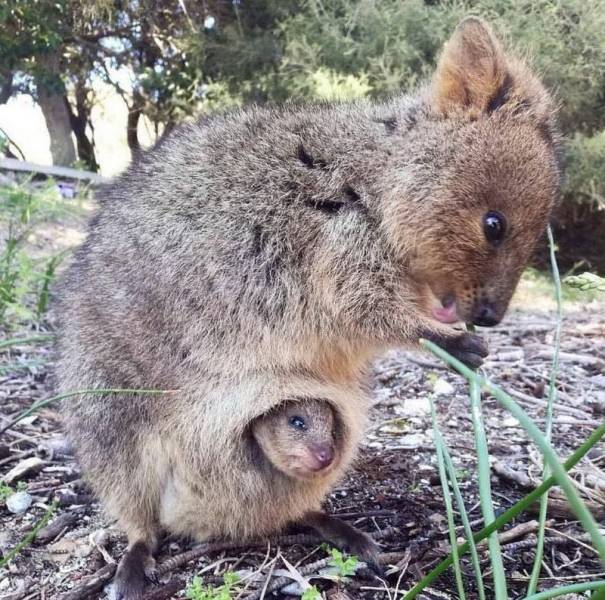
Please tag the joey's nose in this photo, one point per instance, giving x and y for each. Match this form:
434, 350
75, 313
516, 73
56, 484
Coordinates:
324, 455
485, 315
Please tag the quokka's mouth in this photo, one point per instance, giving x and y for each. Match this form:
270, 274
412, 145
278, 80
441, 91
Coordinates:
445, 310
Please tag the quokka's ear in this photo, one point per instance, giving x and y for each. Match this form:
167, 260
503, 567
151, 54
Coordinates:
473, 72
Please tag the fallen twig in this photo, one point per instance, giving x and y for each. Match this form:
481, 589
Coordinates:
518, 531
506, 472
52, 530
580, 359
280, 582
559, 508
581, 414
166, 592
211, 547
91, 585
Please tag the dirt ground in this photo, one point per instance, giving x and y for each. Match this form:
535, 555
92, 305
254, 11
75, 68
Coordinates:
393, 492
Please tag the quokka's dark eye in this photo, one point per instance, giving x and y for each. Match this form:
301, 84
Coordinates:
494, 227
298, 422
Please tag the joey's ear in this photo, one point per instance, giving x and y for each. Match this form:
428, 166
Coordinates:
472, 71
475, 74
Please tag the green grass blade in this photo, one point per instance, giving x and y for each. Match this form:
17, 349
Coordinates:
30, 537
47, 278
507, 516
552, 392
468, 532
38, 339
439, 446
42, 403
485, 492
568, 589
576, 503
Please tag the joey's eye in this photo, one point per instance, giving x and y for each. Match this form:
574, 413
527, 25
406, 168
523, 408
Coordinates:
494, 227
297, 423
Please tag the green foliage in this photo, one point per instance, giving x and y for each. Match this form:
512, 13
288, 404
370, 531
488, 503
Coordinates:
585, 282
311, 593
46, 279
577, 288
5, 491
197, 591
345, 566
387, 44
585, 179
25, 280
395, 44
565, 41
30, 28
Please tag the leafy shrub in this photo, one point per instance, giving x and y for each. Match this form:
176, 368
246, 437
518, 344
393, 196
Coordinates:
586, 169
25, 280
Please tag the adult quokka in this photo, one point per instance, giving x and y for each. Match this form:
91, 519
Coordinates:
271, 253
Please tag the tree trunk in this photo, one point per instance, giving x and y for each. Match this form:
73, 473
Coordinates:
134, 114
6, 85
51, 92
59, 129
79, 121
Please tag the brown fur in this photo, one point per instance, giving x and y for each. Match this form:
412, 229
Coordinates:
269, 254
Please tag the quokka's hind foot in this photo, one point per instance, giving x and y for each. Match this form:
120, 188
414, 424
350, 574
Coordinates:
346, 537
136, 568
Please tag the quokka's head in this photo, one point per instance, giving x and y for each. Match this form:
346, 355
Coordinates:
480, 179
299, 438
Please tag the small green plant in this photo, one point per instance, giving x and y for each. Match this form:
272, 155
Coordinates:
196, 590
5, 491
311, 593
346, 567
585, 282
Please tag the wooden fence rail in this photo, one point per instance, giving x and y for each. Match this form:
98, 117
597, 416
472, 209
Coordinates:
13, 164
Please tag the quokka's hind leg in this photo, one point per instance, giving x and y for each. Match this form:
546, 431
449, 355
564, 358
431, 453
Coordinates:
136, 568
346, 537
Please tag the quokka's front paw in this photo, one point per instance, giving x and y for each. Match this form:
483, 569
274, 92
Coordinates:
468, 348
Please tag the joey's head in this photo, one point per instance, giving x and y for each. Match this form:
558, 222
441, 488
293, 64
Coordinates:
299, 438
481, 186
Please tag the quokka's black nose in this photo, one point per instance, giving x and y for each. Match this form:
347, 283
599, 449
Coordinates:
485, 315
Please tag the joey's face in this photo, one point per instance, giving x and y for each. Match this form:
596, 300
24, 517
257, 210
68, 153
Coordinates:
485, 216
298, 438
